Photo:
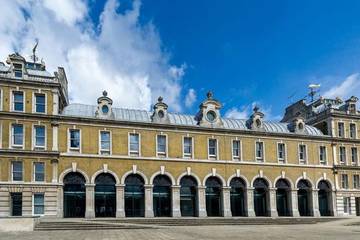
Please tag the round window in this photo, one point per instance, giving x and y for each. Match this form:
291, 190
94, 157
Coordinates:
211, 116
105, 109
301, 126
161, 114
258, 123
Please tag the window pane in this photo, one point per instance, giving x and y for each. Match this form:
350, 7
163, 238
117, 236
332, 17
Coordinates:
17, 171
39, 171
134, 142
18, 101
40, 136
236, 148
187, 145
18, 134
161, 143
212, 147
74, 138
38, 204
105, 140
40, 103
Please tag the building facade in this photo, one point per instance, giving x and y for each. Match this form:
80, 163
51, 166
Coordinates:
73, 160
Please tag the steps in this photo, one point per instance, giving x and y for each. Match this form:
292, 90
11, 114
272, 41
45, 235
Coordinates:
142, 223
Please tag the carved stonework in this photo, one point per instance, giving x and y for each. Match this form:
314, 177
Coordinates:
104, 109
255, 122
160, 114
209, 113
297, 125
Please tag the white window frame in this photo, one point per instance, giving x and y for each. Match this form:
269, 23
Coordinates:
236, 158
305, 160
347, 182
263, 151
105, 151
347, 205
338, 129
357, 156
34, 102
186, 155
354, 124
12, 100
34, 172
73, 149
11, 140
345, 160
213, 157
12, 171
134, 153
285, 152
358, 183
34, 137
33, 203
325, 162
162, 154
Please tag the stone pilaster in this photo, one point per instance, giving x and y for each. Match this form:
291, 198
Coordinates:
250, 202
294, 203
226, 201
149, 211
272, 196
315, 200
54, 164
176, 201
90, 201
202, 201
55, 131
120, 196
60, 202
352, 206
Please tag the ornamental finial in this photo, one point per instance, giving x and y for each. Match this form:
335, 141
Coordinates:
105, 93
256, 109
160, 99
209, 95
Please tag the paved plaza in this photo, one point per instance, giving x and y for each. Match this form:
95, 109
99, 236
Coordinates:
341, 229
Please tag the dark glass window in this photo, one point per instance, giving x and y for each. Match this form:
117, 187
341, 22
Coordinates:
281, 152
259, 151
40, 103
322, 155
236, 149
187, 146
105, 142
161, 144
17, 171
16, 204
212, 147
39, 171
352, 130
18, 134
302, 154
342, 155
18, 101
39, 136
354, 155
341, 129
74, 138
134, 143
39, 206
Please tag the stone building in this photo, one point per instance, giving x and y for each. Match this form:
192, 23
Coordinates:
73, 160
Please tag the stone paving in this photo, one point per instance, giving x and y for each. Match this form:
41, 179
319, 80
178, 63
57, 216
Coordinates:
348, 229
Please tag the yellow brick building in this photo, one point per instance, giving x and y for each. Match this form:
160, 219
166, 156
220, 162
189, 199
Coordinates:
73, 160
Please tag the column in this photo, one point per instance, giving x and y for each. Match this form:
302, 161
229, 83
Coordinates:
294, 203
54, 164
333, 145
120, 192
273, 209
149, 212
250, 202
202, 201
226, 201
90, 203
315, 199
176, 201
55, 128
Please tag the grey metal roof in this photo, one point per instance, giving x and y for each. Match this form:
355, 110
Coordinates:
3, 68
39, 73
123, 114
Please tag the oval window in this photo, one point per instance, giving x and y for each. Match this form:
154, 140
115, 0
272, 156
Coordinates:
211, 116
161, 114
105, 109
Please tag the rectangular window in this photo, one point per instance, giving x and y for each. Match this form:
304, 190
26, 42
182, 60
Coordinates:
259, 151
17, 170
40, 103
356, 181
18, 101
39, 171
322, 155
354, 156
39, 132
39, 206
105, 142
134, 144
188, 148
18, 70
212, 148
347, 205
17, 135
281, 152
16, 204
74, 139
342, 155
161, 145
341, 129
302, 154
352, 130
344, 181
236, 149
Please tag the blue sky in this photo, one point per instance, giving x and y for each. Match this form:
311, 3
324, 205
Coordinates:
247, 52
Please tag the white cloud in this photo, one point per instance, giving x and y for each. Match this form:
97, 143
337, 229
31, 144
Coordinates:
244, 112
350, 86
190, 98
119, 55
236, 113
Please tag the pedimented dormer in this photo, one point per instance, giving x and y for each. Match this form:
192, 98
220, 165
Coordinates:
104, 108
297, 125
255, 122
160, 114
209, 113
350, 105
17, 64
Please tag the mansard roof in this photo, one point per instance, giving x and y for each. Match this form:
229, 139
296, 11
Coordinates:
143, 116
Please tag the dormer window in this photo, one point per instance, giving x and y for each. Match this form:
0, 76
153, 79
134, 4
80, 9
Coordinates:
209, 112
18, 71
255, 122
160, 112
211, 116
104, 109
258, 123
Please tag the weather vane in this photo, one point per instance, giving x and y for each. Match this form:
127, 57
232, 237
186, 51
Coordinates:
314, 89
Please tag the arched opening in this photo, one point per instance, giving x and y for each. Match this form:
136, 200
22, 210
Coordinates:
283, 197
325, 198
162, 196
261, 197
188, 196
74, 195
134, 196
105, 195
213, 197
237, 197
304, 198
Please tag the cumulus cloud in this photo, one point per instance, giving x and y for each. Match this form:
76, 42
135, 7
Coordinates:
119, 54
245, 112
349, 86
190, 98
236, 113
